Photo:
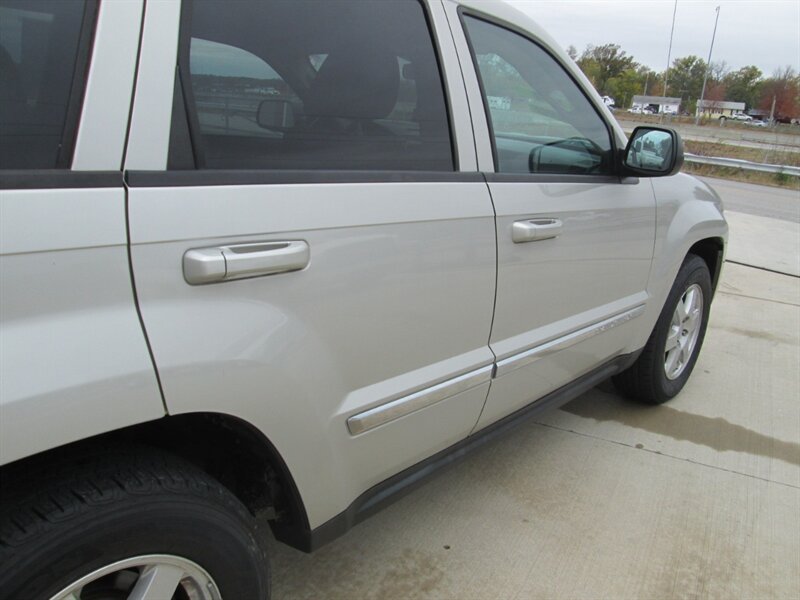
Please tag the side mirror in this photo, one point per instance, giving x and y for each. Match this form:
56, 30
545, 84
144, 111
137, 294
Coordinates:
653, 152
275, 114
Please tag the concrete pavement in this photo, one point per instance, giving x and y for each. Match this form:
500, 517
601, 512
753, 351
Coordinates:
763, 242
604, 498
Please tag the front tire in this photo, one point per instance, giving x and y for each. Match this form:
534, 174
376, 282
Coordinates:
667, 360
129, 524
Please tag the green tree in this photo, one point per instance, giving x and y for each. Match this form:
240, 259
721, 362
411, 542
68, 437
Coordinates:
602, 63
686, 79
744, 85
626, 85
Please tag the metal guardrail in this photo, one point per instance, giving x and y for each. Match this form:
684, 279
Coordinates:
742, 164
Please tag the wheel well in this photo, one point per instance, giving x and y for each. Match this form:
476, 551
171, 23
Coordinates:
229, 449
711, 251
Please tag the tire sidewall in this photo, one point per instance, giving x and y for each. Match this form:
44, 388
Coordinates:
693, 271
214, 531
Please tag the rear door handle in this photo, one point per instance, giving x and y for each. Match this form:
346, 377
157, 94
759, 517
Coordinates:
534, 230
226, 263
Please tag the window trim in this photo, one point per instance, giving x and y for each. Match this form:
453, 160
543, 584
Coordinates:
77, 89
183, 79
231, 177
51, 179
469, 12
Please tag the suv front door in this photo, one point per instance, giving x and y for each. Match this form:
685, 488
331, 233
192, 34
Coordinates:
574, 241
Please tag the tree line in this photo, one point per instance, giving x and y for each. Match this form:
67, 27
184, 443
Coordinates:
615, 73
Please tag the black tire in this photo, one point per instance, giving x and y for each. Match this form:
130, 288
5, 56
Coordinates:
68, 520
646, 380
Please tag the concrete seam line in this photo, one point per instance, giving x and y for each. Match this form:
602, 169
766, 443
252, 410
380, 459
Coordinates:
724, 293
768, 270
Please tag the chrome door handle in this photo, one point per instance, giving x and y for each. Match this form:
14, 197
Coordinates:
533, 230
225, 263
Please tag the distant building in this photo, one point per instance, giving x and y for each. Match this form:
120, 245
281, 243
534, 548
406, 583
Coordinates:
656, 104
715, 109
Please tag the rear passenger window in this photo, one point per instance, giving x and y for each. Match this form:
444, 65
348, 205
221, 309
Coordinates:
313, 85
43, 57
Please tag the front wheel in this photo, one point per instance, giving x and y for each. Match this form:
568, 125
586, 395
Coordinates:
670, 354
128, 525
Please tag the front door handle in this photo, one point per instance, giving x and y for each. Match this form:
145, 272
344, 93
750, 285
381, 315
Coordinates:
226, 263
534, 230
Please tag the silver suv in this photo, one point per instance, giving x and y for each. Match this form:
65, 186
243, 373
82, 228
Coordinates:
276, 262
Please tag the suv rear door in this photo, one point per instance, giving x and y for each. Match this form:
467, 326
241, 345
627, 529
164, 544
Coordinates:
312, 248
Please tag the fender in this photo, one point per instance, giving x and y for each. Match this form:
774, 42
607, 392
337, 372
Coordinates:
687, 211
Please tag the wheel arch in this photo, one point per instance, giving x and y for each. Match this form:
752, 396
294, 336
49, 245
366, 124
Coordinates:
227, 448
712, 251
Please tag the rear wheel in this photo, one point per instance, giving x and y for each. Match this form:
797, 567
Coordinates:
670, 354
125, 527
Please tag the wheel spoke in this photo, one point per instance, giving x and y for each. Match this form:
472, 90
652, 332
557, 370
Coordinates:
694, 318
682, 308
672, 360
157, 582
690, 300
673, 337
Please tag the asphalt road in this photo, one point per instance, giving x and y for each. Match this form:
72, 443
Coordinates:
760, 200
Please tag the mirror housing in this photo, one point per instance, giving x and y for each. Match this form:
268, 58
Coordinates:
275, 114
653, 152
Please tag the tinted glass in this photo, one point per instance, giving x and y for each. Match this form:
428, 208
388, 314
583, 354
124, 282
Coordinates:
315, 85
541, 121
39, 41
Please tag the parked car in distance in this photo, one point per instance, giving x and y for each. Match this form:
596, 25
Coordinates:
757, 123
251, 274
741, 117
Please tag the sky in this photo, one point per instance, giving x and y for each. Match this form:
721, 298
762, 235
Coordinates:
764, 33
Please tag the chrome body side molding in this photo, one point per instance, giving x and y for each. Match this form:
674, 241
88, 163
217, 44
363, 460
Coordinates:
533, 354
406, 405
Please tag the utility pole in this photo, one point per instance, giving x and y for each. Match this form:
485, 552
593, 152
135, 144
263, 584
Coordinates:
772, 111
669, 53
646, 79
708, 70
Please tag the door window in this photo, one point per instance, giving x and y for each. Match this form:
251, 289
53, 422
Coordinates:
541, 122
43, 57
314, 85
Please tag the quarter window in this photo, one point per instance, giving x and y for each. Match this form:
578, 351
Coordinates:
541, 122
41, 80
313, 85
